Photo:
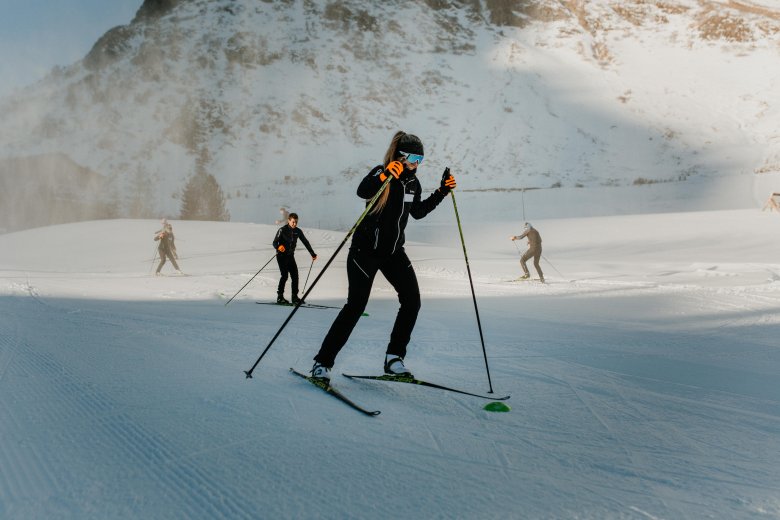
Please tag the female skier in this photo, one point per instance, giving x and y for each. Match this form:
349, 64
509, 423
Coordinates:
378, 245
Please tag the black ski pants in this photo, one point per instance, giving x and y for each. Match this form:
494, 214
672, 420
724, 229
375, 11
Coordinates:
361, 270
288, 268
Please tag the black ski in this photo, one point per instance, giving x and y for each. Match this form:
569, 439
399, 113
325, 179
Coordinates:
335, 393
305, 305
413, 381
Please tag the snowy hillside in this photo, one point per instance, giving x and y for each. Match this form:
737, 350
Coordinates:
286, 103
643, 376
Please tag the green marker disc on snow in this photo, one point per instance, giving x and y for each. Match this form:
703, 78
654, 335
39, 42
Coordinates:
496, 406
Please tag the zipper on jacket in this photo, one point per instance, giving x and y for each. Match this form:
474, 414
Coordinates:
400, 216
361, 269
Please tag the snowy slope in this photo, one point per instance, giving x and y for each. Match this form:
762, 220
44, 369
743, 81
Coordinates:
643, 375
289, 101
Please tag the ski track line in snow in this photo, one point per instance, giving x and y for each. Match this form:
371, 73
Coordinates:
682, 399
626, 451
737, 303
57, 395
24, 468
643, 513
734, 479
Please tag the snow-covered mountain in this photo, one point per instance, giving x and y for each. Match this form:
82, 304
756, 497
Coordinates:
289, 102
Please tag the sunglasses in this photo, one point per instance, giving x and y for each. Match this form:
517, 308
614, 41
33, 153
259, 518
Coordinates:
411, 158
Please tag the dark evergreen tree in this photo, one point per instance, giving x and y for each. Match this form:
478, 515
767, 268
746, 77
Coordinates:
203, 199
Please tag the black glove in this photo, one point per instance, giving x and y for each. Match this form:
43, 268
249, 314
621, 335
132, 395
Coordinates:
447, 182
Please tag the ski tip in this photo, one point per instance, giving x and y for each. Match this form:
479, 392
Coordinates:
496, 407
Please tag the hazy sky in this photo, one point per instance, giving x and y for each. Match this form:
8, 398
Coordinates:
36, 35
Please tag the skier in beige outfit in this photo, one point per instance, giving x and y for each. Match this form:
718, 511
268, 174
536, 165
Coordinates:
534, 250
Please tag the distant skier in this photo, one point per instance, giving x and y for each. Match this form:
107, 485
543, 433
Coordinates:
378, 246
771, 203
534, 250
167, 246
285, 215
284, 243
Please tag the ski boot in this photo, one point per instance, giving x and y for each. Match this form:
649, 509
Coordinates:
394, 366
320, 371
280, 300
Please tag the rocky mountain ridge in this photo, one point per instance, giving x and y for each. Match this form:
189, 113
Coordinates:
285, 100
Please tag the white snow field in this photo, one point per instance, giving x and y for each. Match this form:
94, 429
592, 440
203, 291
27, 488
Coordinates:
644, 376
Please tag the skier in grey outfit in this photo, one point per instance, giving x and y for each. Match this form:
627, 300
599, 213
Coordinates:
534, 250
167, 246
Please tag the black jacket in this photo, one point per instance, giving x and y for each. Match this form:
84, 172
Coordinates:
383, 233
288, 237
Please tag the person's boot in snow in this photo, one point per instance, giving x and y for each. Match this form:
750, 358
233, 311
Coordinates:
320, 371
394, 366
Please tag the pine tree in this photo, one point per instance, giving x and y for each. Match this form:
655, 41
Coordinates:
203, 199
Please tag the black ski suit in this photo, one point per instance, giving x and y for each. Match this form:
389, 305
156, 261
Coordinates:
288, 237
378, 246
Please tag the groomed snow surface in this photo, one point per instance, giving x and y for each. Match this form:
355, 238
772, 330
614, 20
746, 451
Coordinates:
644, 375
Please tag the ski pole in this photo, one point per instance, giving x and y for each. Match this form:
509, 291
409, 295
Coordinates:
151, 268
551, 265
297, 306
522, 197
471, 283
307, 276
258, 272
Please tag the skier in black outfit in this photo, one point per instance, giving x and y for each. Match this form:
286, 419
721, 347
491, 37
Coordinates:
284, 243
378, 245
